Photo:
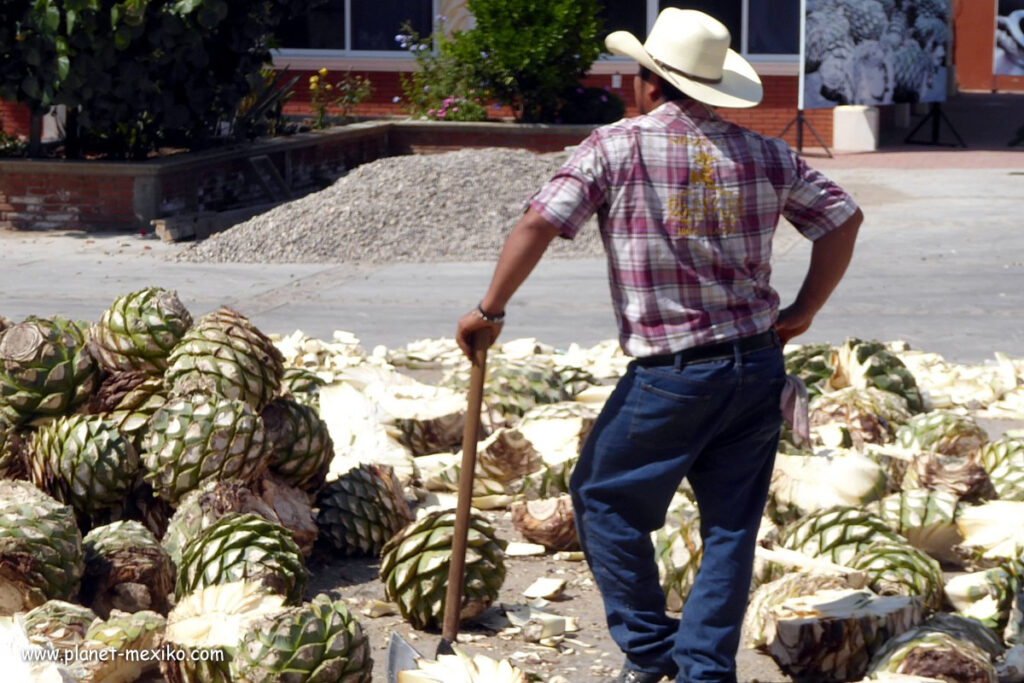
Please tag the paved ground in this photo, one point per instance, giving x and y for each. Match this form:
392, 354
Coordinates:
939, 263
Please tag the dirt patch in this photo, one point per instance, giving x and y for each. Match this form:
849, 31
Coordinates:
587, 655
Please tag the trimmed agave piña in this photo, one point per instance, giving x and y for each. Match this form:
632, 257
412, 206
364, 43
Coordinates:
126, 635
46, 369
926, 518
514, 385
224, 355
293, 509
768, 595
863, 364
869, 415
204, 506
1003, 460
988, 596
550, 481
302, 385
139, 330
40, 548
301, 449
318, 641
126, 569
836, 534
362, 510
58, 624
136, 407
926, 652
243, 547
506, 455
84, 461
461, 668
942, 431
12, 456
198, 439
678, 549
897, 569
207, 626
811, 363
961, 475
414, 568
549, 522
831, 635
802, 484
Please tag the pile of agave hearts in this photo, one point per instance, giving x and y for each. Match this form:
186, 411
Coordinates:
164, 479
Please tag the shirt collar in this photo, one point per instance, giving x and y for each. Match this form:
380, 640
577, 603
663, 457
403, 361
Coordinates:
686, 108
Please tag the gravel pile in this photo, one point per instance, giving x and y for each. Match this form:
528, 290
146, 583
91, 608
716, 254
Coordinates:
457, 206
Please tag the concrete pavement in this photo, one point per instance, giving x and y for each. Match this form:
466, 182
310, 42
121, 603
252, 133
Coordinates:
939, 263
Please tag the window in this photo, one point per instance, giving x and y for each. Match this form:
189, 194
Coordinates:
773, 27
758, 27
357, 25
729, 12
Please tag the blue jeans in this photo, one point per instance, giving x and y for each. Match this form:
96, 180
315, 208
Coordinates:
717, 423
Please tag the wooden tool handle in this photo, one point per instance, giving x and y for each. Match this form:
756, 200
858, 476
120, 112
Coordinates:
457, 567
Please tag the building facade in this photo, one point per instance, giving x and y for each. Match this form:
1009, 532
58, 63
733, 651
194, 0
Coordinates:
359, 36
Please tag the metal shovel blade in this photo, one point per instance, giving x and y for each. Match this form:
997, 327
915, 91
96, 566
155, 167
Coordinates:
401, 657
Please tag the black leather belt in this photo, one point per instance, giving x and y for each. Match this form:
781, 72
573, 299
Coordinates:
716, 351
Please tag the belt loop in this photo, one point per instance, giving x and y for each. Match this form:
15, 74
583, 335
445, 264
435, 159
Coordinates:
737, 353
677, 362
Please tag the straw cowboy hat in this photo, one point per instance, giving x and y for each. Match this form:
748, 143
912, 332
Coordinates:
690, 50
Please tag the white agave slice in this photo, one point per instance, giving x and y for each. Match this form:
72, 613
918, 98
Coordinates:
461, 668
354, 423
996, 528
217, 616
826, 479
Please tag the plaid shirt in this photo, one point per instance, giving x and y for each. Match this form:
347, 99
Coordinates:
687, 205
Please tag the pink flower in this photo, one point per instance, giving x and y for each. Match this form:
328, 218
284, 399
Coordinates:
454, 109
430, 112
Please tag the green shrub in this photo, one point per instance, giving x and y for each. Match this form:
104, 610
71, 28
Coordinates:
344, 95
530, 52
443, 87
139, 73
591, 105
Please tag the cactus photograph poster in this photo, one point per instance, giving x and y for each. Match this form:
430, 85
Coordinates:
873, 52
1008, 59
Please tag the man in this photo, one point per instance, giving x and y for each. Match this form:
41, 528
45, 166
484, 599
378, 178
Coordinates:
687, 206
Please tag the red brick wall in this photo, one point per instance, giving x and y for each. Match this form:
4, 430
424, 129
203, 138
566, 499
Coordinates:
14, 118
39, 200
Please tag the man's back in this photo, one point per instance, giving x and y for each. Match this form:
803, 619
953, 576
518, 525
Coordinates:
688, 204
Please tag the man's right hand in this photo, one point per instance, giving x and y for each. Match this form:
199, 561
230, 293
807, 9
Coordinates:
469, 325
792, 322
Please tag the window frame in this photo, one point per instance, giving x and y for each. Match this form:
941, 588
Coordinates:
387, 60
369, 60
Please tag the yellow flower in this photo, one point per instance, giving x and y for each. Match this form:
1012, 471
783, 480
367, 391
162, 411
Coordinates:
312, 85
323, 71
328, 87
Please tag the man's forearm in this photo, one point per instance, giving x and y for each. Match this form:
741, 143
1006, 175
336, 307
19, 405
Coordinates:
523, 249
830, 257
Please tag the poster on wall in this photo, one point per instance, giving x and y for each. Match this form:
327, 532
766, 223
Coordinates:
1009, 55
873, 52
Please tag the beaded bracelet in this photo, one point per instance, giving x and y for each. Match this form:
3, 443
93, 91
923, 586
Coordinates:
494, 319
